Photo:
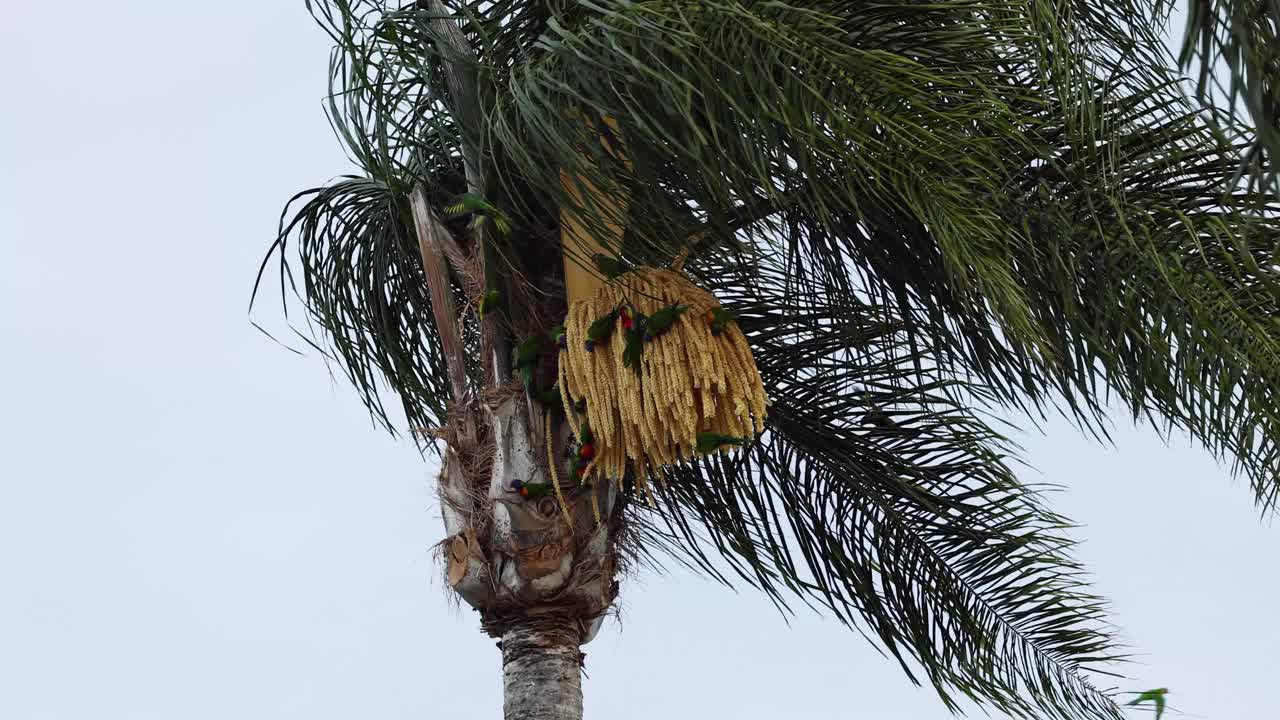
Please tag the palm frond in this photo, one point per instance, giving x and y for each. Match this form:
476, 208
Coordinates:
354, 250
1024, 184
885, 502
1242, 38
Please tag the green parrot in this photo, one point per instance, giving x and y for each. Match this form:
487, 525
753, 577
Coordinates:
612, 267
632, 347
531, 491
1155, 696
879, 418
558, 336
488, 303
710, 441
601, 329
662, 320
549, 397
468, 204
719, 319
527, 354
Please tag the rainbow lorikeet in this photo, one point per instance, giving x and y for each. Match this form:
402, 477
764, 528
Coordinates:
601, 329
1156, 697
549, 397
628, 318
558, 336
632, 347
484, 211
710, 441
488, 303
612, 267
719, 319
527, 354
662, 320
530, 491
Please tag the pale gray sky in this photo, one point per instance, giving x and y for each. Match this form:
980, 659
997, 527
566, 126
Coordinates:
196, 524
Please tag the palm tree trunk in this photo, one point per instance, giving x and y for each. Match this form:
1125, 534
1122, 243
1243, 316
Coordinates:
542, 586
540, 581
541, 671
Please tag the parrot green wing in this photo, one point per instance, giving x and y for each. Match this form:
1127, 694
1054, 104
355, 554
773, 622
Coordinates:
488, 303
528, 351
602, 328
709, 441
466, 203
632, 350
484, 210
612, 267
537, 490
1156, 697
663, 319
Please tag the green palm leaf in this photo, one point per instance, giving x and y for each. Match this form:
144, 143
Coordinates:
1051, 222
356, 257
913, 530
1238, 39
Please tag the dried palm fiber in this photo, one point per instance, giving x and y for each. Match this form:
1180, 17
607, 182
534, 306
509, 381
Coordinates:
690, 381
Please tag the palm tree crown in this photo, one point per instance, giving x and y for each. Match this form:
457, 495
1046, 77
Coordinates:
917, 211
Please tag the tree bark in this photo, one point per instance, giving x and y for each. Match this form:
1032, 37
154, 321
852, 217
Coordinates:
541, 586
542, 671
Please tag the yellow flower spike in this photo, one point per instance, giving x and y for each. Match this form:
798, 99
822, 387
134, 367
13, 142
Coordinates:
555, 476
688, 382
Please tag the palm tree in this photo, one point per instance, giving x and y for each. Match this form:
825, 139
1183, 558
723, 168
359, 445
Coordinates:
912, 213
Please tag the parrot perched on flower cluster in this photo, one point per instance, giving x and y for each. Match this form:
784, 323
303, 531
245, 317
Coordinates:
633, 325
484, 211
719, 319
662, 320
601, 329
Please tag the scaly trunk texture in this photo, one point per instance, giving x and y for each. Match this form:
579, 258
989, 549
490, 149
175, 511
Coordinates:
541, 671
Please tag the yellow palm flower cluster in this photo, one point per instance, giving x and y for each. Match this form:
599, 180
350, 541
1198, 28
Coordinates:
690, 380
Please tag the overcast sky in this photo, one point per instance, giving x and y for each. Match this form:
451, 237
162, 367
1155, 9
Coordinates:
195, 523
